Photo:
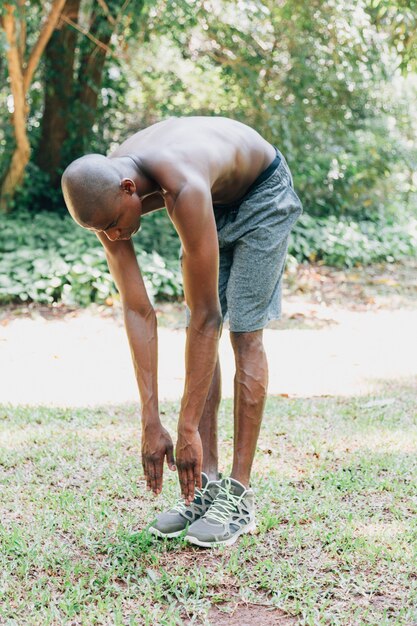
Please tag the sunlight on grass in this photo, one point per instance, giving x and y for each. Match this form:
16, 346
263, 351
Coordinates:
382, 531
336, 487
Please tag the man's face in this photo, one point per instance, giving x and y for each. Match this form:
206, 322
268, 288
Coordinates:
123, 221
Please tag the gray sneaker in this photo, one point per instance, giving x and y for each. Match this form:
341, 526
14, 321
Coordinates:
172, 523
231, 515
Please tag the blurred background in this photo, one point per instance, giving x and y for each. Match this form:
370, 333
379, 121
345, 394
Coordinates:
332, 84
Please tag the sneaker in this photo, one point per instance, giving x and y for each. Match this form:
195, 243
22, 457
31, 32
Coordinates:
172, 523
231, 515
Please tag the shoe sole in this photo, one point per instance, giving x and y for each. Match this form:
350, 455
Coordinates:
250, 528
161, 535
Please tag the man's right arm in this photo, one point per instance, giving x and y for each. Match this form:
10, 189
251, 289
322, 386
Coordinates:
141, 328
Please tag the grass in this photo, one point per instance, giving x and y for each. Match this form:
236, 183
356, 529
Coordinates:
336, 485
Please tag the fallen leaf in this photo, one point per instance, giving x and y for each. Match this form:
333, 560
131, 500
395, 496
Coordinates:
267, 450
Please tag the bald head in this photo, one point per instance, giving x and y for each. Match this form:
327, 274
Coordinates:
91, 188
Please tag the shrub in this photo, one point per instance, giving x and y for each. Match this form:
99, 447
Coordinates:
345, 243
47, 258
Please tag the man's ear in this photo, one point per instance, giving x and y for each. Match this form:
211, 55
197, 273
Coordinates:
128, 186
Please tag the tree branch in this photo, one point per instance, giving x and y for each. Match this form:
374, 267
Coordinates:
121, 12
85, 32
16, 76
21, 153
107, 11
22, 31
44, 36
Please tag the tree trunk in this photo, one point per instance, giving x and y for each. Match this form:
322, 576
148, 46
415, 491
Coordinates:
71, 100
58, 95
89, 83
20, 81
21, 153
90, 75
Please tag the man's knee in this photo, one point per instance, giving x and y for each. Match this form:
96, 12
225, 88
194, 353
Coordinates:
245, 344
251, 363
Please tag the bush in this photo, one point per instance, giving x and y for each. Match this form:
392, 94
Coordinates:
345, 243
48, 258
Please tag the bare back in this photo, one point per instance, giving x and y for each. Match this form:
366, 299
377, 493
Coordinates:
227, 154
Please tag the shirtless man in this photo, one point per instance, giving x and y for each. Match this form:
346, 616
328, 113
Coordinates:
229, 195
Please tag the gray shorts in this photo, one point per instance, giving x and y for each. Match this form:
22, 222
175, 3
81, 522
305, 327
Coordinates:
253, 245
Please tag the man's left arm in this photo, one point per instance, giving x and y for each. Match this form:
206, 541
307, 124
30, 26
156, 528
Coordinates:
192, 216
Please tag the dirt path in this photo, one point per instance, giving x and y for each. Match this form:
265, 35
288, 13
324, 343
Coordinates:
332, 340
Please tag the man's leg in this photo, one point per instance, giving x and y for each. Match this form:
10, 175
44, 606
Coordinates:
208, 422
232, 512
208, 426
173, 522
251, 383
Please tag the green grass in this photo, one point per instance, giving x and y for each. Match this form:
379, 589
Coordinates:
336, 485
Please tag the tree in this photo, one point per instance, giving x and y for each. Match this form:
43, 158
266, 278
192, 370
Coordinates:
58, 79
398, 20
307, 75
22, 64
71, 49
87, 41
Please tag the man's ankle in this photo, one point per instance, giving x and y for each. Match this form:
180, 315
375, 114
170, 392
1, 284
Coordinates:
243, 480
212, 473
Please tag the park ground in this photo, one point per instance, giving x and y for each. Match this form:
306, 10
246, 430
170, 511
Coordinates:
335, 473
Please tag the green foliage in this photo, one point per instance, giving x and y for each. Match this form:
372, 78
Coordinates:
47, 258
345, 243
398, 20
36, 193
316, 79
157, 233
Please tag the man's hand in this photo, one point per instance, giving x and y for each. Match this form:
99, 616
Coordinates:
156, 445
189, 457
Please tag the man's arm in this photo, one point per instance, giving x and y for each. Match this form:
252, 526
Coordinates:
192, 215
141, 328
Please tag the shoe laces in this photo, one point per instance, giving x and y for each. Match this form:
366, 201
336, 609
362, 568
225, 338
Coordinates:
180, 506
224, 504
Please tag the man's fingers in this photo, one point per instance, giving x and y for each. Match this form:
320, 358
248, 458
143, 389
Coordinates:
184, 483
149, 474
145, 472
159, 470
197, 476
190, 484
182, 476
170, 458
153, 475
189, 478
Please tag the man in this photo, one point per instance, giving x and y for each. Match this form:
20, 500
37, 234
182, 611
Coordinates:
230, 196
